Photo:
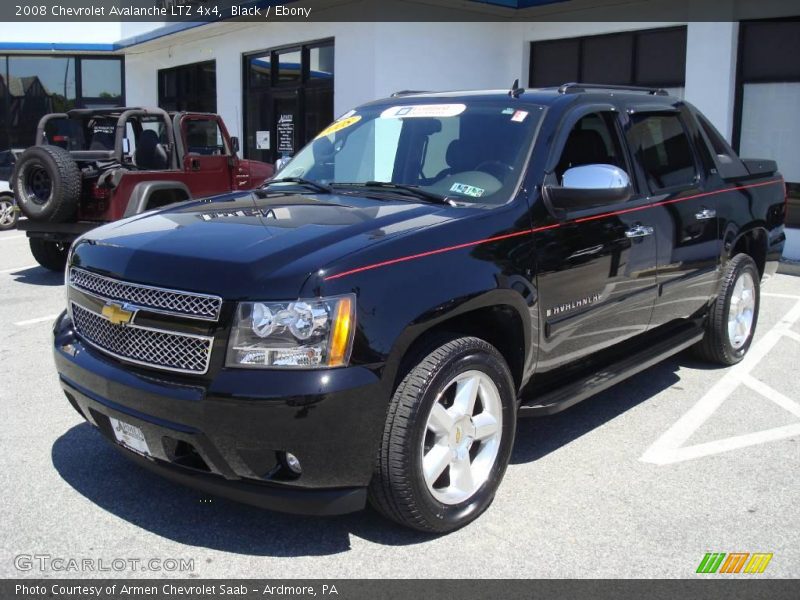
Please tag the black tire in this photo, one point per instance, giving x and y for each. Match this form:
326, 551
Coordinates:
398, 489
716, 346
51, 255
47, 184
8, 212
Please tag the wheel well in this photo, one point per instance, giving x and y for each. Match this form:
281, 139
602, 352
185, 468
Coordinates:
166, 196
754, 244
500, 325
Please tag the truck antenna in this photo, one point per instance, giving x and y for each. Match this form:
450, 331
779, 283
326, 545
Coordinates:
516, 91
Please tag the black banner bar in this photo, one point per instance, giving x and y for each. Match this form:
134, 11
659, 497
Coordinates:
265, 11
414, 589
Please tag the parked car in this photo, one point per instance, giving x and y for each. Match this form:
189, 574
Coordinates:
9, 213
8, 207
371, 324
94, 166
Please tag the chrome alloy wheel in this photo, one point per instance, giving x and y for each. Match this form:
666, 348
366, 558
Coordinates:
741, 310
7, 210
462, 437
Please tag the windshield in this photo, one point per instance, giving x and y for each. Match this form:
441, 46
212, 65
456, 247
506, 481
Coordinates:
466, 152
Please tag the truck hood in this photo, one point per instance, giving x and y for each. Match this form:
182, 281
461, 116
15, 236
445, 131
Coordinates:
247, 245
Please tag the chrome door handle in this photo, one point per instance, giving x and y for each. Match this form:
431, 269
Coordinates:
706, 213
639, 231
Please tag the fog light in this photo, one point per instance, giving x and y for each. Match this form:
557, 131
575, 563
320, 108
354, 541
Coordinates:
293, 463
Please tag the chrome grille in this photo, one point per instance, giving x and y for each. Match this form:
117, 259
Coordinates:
162, 300
143, 345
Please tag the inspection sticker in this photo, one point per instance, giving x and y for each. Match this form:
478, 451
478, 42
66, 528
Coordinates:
467, 190
339, 125
423, 110
519, 116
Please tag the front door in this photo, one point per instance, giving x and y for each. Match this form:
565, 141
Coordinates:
685, 214
206, 156
597, 268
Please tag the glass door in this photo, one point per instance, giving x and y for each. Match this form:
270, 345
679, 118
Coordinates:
288, 99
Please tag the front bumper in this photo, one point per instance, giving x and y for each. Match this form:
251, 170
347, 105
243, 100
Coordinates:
224, 435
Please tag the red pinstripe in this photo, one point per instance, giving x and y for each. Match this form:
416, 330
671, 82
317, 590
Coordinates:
497, 238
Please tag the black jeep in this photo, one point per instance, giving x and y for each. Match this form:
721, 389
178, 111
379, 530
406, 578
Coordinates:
372, 323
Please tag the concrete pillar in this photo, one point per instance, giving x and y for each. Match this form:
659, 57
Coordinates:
711, 71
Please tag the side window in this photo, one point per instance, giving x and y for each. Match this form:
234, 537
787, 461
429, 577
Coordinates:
593, 140
727, 162
203, 136
663, 149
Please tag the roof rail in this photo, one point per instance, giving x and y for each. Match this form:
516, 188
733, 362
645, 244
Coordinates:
576, 88
408, 93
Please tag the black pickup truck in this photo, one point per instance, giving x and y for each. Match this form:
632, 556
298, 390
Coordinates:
370, 324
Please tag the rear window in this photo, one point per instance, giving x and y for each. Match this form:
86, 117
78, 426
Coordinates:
663, 149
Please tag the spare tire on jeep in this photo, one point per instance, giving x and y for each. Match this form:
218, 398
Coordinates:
47, 183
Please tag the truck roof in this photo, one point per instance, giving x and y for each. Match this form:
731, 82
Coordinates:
543, 96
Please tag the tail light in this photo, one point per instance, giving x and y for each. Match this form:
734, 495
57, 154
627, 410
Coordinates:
100, 193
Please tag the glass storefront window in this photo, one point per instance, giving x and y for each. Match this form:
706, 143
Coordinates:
32, 86
259, 69
101, 79
190, 87
37, 85
289, 66
320, 62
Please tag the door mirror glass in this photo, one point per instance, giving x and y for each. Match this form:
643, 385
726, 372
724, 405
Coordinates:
126, 146
235, 144
588, 186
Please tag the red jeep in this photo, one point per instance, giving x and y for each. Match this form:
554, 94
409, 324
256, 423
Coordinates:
92, 166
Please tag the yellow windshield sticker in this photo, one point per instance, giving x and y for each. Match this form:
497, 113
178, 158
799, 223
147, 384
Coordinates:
339, 125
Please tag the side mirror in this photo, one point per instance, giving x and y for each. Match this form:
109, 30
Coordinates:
588, 186
235, 144
126, 146
281, 162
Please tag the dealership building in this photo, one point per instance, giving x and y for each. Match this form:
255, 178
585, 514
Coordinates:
277, 84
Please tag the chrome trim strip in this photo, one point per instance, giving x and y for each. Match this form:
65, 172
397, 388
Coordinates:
149, 365
148, 308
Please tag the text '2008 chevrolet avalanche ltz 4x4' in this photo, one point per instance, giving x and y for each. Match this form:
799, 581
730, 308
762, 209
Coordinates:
370, 323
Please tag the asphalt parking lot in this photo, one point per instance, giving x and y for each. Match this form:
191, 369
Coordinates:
640, 481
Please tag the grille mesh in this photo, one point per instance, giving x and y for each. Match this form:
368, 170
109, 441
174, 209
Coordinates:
170, 301
160, 349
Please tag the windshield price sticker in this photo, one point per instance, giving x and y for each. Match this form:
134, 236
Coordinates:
339, 125
467, 190
423, 110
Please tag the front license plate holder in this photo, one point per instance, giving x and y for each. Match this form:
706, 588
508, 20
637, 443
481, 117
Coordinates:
130, 436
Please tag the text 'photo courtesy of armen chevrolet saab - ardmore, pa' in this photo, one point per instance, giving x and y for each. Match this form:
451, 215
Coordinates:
438, 299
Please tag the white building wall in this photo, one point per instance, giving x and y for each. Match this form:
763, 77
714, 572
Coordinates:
372, 60
711, 71
61, 33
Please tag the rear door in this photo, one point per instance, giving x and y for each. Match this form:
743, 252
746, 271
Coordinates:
597, 268
684, 211
207, 158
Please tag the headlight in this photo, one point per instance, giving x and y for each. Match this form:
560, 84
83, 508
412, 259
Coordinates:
306, 334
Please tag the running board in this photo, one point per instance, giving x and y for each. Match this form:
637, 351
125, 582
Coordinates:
587, 386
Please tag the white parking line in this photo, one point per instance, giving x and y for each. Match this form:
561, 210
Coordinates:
669, 448
34, 321
789, 296
14, 269
13, 237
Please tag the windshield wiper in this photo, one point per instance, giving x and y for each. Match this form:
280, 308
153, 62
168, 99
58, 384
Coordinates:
410, 190
319, 187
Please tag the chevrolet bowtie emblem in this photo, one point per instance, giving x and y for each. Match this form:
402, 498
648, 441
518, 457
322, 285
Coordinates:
117, 314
